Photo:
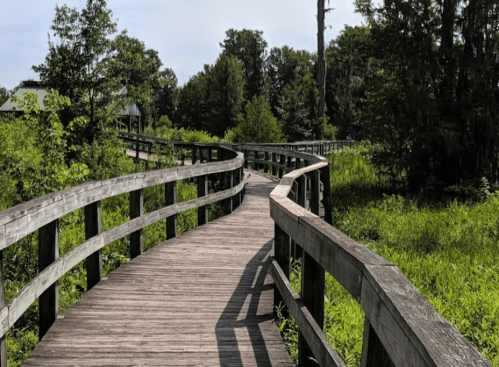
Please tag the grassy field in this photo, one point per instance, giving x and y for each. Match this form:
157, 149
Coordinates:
447, 248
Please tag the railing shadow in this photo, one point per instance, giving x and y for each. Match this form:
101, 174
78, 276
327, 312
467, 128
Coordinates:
241, 314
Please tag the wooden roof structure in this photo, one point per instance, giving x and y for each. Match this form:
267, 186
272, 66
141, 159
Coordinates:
33, 86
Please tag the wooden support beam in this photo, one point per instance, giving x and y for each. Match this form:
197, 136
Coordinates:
93, 228
282, 256
202, 191
229, 184
274, 160
48, 252
266, 166
171, 198
3, 342
282, 160
136, 210
325, 176
194, 154
373, 352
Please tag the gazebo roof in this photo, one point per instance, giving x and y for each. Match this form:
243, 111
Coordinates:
31, 86
27, 87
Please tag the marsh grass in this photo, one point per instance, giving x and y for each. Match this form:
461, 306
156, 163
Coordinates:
447, 248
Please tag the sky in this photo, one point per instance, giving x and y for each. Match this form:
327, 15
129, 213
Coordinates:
186, 33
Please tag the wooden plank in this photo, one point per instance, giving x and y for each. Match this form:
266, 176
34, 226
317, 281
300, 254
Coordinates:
93, 228
202, 186
48, 252
136, 211
321, 349
186, 302
171, 199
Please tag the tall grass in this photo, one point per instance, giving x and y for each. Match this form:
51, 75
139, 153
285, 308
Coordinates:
447, 248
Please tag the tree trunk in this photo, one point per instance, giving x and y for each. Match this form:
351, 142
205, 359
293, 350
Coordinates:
321, 75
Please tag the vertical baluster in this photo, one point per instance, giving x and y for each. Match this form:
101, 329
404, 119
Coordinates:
194, 154
281, 250
373, 351
136, 210
3, 344
235, 181
266, 166
93, 228
202, 191
246, 158
210, 154
313, 283
282, 161
229, 184
48, 252
289, 163
325, 175
297, 163
255, 166
171, 199
274, 160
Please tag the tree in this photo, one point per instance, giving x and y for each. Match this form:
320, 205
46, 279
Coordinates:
259, 125
249, 47
4, 95
225, 94
298, 109
283, 66
192, 108
77, 65
432, 89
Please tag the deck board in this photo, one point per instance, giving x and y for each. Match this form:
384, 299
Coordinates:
201, 299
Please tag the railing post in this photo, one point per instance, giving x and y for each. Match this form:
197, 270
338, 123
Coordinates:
171, 199
137, 150
313, 283
281, 251
246, 157
194, 154
289, 163
48, 252
136, 210
297, 163
315, 194
266, 166
93, 228
202, 191
210, 153
201, 154
274, 160
229, 184
325, 176
282, 160
255, 165
373, 351
235, 182
3, 343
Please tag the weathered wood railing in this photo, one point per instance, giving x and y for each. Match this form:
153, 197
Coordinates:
401, 328
43, 214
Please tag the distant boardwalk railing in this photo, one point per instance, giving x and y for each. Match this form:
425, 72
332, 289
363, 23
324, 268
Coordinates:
401, 328
43, 214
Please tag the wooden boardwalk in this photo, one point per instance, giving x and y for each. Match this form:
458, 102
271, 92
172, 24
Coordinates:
201, 299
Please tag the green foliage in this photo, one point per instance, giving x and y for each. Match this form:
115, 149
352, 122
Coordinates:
447, 249
4, 95
249, 47
259, 125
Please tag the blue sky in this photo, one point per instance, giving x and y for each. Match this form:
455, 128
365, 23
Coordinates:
186, 33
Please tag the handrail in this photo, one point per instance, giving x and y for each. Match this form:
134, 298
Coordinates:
401, 328
43, 213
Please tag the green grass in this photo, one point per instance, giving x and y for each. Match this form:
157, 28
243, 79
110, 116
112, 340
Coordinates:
447, 248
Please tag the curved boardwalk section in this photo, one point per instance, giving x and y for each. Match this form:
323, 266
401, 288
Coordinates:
202, 299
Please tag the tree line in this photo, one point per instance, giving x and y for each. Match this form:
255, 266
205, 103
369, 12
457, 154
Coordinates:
419, 78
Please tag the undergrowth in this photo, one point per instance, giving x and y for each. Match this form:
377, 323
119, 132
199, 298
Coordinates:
448, 249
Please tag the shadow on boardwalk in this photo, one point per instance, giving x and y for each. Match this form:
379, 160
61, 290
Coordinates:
242, 311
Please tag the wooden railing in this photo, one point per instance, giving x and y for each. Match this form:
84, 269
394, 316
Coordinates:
43, 214
401, 328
